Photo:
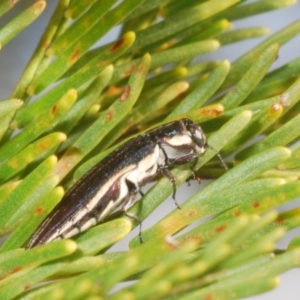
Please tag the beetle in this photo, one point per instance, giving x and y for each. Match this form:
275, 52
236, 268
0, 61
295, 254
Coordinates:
116, 180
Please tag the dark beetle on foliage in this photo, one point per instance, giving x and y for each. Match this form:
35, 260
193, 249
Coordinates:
117, 179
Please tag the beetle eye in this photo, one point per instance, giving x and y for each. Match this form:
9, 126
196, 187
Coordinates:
197, 136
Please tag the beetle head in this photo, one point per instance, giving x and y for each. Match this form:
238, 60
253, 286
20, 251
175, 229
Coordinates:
197, 135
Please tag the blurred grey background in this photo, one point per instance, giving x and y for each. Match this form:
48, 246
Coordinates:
14, 56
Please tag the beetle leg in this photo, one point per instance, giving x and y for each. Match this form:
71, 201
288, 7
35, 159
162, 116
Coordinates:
128, 202
166, 172
193, 169
170, 176
165, 155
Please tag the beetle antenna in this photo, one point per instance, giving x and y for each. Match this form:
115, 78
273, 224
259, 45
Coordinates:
219, 157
